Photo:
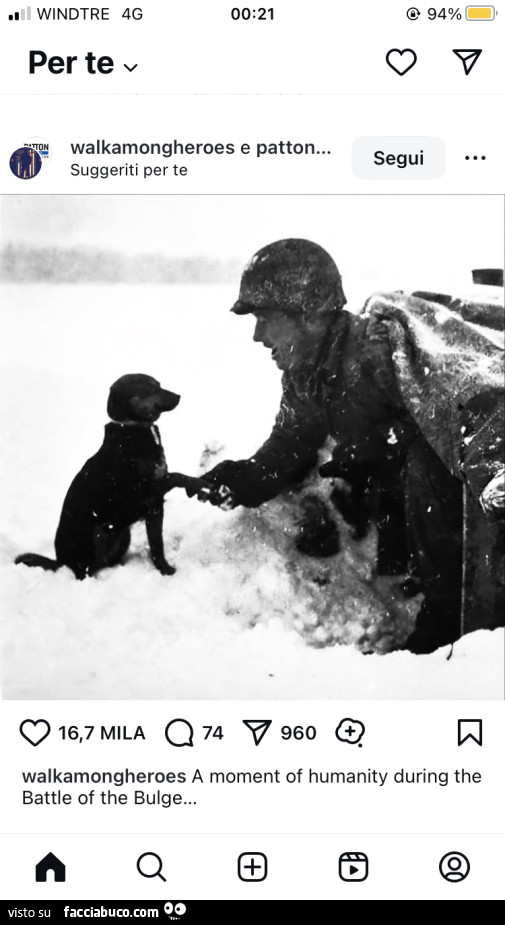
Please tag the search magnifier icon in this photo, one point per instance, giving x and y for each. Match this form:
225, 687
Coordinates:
150, 864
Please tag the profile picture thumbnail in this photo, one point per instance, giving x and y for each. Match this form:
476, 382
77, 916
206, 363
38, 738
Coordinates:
25, 163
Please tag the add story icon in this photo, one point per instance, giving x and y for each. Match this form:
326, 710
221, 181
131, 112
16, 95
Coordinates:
468, 57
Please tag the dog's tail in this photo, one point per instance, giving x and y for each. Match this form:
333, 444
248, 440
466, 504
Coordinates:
32, 559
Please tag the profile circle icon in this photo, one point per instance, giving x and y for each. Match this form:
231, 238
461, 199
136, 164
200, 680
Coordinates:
25, 163
454, 866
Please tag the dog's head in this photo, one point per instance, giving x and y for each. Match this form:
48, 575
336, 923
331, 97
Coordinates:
137, 397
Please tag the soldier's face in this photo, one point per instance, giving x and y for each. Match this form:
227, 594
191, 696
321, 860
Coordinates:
286, 336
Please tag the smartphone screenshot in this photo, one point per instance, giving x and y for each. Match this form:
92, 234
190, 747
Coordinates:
253, 469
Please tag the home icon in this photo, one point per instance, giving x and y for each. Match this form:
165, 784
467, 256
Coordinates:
50, 862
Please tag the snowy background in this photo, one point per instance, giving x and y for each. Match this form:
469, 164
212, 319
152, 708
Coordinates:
96, 287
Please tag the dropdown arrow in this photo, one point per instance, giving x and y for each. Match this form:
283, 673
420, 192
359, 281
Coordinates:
128, 68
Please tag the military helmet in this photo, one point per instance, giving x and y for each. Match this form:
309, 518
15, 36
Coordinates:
294, 276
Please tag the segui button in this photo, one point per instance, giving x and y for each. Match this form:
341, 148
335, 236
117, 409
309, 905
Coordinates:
398, 157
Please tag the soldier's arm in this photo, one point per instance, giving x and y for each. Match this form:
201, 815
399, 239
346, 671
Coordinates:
284, 459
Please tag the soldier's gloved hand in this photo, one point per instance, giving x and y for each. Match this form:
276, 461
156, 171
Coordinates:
220, 484
219, 496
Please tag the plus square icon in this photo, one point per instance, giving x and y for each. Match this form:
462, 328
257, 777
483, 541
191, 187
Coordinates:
252, 865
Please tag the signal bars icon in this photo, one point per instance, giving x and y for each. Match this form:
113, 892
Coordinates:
23, 14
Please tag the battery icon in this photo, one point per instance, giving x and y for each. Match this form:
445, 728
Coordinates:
480, 13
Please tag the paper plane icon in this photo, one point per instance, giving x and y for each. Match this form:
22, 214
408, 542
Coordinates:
258, 728
468, 57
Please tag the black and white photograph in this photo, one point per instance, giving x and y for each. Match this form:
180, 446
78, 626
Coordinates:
253, 447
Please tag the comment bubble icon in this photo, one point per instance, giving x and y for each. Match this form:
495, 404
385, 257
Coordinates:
179, 732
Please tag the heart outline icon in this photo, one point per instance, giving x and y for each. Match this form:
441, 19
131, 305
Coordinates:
401, 52
35, 739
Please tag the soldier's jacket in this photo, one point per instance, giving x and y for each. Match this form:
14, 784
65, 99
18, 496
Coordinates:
404, 367
413, 395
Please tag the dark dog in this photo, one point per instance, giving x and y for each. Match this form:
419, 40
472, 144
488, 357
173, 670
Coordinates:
123, 483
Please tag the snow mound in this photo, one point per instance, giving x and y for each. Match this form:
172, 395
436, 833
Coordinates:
245, 616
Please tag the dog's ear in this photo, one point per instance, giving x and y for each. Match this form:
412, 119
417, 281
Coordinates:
118, 404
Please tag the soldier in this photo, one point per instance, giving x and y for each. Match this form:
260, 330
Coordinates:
413, 398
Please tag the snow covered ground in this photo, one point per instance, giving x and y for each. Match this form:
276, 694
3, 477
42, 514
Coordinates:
246, 615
